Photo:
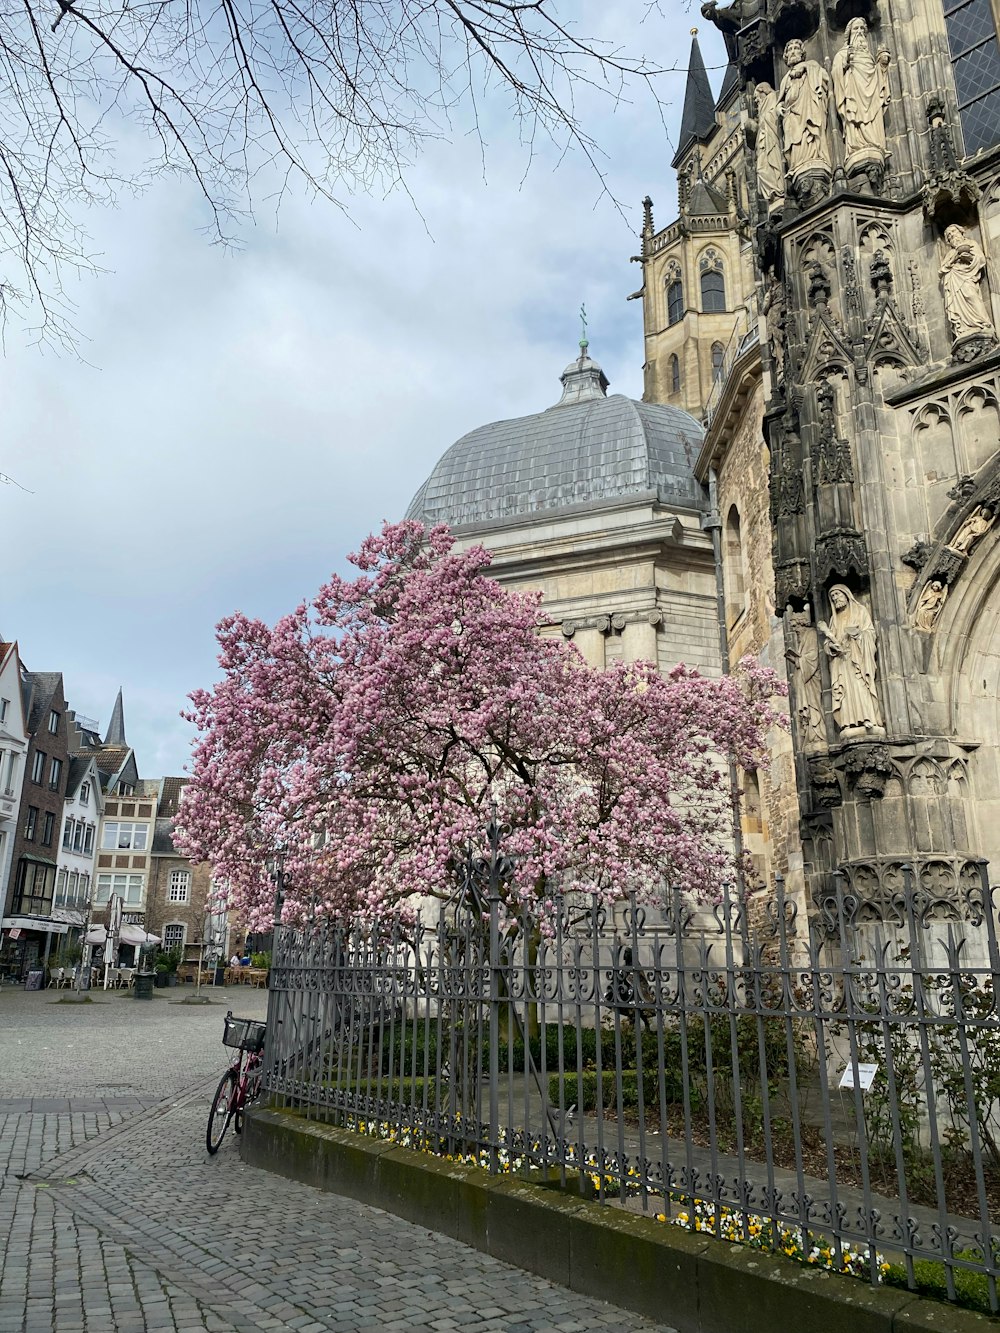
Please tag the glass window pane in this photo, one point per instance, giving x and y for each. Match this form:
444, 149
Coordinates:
969, 24
981, 122
977, 72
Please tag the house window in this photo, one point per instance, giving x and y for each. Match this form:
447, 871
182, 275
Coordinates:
37, 767
84, 887
33, 889
713, 292
48, 828
173, 936
675, 301
11, 771
88, 840
122, 837
127, 887
84, 793
68, 835
675, 375
61, 888
179, 890
55, 773
4, 705
31, 823
53, 722
126, 789
718, 356
78, 838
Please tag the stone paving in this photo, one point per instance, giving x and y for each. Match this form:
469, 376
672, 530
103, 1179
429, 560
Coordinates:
113, 1218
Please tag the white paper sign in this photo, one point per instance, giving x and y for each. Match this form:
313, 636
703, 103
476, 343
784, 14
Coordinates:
865, 1078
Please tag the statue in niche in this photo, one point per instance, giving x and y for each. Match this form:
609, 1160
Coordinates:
849, 642
861, 92
803, 658
932, 599
775, 310
961, 278
802, 111
767, 150
979, 522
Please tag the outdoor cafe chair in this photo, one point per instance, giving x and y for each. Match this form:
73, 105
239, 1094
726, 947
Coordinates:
126, 976
56, 977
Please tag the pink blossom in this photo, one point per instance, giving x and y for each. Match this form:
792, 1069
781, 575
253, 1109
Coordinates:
367, 736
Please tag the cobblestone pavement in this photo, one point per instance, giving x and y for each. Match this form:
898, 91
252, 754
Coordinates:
113, 1218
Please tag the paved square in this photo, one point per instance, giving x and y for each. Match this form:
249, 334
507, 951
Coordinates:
125, 1224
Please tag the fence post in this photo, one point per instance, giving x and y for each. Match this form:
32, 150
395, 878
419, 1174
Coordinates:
494, 899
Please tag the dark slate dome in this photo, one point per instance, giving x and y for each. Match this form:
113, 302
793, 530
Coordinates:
588, 449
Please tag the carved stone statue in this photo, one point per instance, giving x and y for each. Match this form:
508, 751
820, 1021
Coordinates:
803, 658
849, 641
932, 599
961, 279
861, 92
775, 311
979, 522
767, 150
802, 111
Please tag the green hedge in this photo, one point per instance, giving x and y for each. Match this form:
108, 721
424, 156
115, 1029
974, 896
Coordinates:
972, 1290
581, 1089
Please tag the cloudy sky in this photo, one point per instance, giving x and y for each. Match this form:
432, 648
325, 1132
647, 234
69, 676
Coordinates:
236, 422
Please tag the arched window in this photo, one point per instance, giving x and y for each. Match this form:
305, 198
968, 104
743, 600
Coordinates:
718, 353
675, 300
713, 291
675, 375
735, 580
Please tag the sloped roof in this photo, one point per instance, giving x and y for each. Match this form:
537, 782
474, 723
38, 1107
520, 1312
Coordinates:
110, 758
698, 116
44, 686
79, 767
163, 842
170, 795
705, 200
730, 85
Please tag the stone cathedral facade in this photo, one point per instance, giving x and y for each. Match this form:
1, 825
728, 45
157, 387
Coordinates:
827, 301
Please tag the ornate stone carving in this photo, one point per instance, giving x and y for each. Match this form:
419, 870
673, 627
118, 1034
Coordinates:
929, 604
962, 488
802, 655
948, 188
861, 93
869, 768
774, 308
802, 111
849, 641
961, 281
825, 782
918, 555
832, 453
792, 583
768, 160
841, 552
881, 277
820, 287
975, 526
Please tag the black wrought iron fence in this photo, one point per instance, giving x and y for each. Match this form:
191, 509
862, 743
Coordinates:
829, 1088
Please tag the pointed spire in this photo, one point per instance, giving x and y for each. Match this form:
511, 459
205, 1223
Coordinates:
698, 117
730, 85
116, 727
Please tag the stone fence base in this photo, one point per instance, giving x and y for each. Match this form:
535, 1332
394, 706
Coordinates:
693, 1283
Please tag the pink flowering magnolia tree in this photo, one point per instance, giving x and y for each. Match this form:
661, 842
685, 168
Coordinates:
368, 735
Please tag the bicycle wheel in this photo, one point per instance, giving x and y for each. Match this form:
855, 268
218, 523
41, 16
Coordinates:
220, 1114
250, 1095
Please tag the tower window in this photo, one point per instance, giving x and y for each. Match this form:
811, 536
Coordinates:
735, 579
975, 58
675, 375
675, 301
718, 356
713, 292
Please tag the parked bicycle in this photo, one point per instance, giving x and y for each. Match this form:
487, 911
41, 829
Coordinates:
240, 1084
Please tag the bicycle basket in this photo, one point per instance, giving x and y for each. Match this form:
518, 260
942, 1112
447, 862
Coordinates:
245, 1034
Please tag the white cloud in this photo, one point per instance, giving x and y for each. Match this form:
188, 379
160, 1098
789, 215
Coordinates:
242, 420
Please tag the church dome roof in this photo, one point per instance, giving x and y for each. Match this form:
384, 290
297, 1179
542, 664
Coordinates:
589, 449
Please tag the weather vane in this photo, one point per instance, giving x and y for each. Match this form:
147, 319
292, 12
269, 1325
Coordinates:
583, 325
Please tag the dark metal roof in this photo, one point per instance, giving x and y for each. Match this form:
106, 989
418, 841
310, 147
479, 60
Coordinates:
698, 116
116, 727
705, 200
730, 85
589, 449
